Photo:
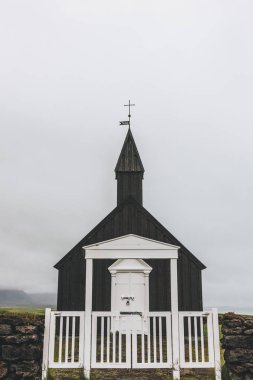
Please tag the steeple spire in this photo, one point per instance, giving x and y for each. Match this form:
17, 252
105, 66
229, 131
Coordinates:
129, 171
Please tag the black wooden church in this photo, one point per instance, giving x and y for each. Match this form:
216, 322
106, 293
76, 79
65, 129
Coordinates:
129, 217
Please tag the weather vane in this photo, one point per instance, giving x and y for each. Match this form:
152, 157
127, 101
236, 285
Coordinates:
129, 105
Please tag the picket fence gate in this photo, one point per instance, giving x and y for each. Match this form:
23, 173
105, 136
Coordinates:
131, 341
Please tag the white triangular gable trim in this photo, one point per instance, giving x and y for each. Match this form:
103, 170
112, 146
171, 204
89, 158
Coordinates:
131, 246
114, 243
130, 265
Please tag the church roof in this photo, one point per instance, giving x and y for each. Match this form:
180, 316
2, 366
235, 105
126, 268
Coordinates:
129, 217
129, 158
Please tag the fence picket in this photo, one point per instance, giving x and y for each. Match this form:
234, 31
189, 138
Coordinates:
94, 341
73, 339
102, 340
160, 340
154, 338
113, 342
142, 341
108, 339
202, 339
67, 340
190, 338
60, 339
196, 339
120, 342
149, 333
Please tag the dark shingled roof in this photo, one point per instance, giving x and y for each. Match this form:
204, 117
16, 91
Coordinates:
130, 217
129, 158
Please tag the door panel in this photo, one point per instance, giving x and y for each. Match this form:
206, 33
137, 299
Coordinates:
130, 285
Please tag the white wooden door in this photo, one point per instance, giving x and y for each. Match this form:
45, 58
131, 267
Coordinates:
129, 292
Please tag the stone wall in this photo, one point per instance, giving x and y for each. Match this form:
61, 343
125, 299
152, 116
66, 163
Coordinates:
21, 345
238, 344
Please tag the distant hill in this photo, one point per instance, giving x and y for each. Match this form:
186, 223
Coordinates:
10, 297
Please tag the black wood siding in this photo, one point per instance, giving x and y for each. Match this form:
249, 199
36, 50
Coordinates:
125, 219
129, 184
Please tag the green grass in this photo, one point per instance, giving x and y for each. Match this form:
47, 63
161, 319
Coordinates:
147, 374
27, 311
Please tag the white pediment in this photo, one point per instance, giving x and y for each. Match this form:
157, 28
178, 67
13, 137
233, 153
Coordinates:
130, 265
131, 242
131, 246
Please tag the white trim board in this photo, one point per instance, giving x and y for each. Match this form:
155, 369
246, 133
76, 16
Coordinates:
130, 265
131, 247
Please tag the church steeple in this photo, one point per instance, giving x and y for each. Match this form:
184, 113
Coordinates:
129, 171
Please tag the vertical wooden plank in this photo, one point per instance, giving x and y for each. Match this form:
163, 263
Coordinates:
134, 342
169, 340
196, 340
73, 339
154, 338
102, 340
88, 308
216, 340
81, 338
120, 340
210, 339
149, 331
202, 340
113, 342
46, 342
108, 340
128, 345
142, 341
94, 340
52, 338
160, 340
174, 313
67, 340
60, 340
190, 339
181, 339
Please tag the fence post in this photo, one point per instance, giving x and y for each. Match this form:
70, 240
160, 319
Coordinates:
174, 315
87, 318
216, 341
46, 343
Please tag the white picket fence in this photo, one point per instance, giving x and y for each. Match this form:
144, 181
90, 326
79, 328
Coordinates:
131, 341
66, 339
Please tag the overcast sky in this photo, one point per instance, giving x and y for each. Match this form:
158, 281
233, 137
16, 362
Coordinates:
66, 70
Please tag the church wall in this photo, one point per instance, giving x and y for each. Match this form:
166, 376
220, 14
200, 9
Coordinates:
129, 219
71, 289
71, 284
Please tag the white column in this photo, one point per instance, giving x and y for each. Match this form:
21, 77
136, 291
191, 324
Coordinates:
174, 315
113, 288
46, 343
87, 317
146, 282
216, 341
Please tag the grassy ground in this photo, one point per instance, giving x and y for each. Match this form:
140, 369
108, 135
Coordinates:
125, 374
22, 311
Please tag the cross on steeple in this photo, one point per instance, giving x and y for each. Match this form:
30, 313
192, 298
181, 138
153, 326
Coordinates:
129, 105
